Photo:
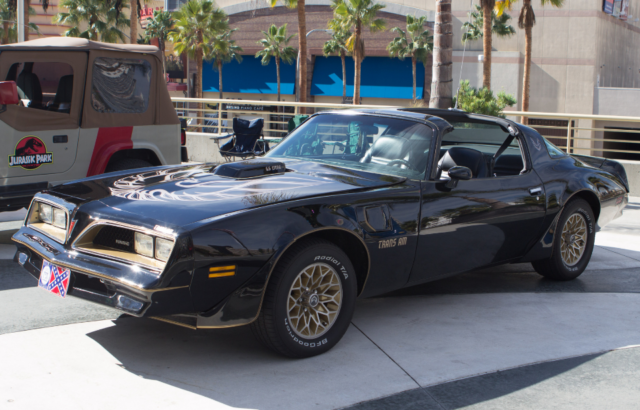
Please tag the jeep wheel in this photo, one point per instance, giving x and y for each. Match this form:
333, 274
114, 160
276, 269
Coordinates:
309, 300
573, 244
127, 163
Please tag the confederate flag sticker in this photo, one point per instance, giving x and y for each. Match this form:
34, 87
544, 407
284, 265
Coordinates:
54, 279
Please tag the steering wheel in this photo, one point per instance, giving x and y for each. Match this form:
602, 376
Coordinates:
398, 162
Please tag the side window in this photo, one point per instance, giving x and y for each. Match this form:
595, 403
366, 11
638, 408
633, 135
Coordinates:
43, 86
473, 144
120, 85
554, 152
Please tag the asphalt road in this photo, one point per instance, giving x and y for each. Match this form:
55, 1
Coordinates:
498, 338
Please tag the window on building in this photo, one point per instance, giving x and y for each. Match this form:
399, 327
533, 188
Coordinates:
120, 85
43, 86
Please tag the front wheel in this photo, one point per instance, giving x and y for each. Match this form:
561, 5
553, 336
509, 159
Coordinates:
309, 301
573, 244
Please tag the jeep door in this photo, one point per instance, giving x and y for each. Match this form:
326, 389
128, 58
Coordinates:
41, 133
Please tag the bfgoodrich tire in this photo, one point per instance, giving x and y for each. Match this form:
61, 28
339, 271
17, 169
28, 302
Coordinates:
573, 244
309, 301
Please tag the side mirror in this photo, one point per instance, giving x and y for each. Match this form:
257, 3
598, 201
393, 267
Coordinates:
458, 173
8, 94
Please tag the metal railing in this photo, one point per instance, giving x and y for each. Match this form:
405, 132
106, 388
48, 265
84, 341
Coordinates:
598, 135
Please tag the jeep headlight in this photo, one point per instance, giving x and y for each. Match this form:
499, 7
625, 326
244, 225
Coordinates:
163, 249
144, 244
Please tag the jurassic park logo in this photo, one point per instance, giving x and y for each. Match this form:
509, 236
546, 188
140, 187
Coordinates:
30, 153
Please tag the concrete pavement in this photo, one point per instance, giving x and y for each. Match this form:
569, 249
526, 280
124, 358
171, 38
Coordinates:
498, 338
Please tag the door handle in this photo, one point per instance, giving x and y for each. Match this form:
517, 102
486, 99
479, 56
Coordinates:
60, 139
535, 191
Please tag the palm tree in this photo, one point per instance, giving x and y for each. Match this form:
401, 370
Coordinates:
442, 82
473, 29
223, 50
102, 20
338, 45
302, 43
487, 6
7, 14
136, 5
159, 27
357, 15
417, 44
196, 24
276, 44
526, 21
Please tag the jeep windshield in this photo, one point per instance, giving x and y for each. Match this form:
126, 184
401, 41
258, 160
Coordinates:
364, 142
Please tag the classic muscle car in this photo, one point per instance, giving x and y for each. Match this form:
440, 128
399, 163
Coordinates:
350, 204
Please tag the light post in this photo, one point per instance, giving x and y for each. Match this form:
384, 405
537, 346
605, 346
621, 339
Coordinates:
20, 20
298, 60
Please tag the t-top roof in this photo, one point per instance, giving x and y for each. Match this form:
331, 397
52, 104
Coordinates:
79, 44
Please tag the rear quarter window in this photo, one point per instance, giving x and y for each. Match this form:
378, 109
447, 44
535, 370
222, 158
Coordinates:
120, 85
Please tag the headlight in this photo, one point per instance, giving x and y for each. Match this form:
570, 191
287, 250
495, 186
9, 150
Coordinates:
46, 213
59, 218
144, 244
163, 249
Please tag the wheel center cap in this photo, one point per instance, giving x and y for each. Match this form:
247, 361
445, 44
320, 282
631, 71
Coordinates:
572, 239
314, 300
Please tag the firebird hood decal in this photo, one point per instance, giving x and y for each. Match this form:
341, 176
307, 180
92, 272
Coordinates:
181, 195
195, 189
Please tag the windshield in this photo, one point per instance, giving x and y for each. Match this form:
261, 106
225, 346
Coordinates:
369, 143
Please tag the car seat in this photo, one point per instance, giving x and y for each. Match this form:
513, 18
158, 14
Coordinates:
465, 157
29, 83
62, 100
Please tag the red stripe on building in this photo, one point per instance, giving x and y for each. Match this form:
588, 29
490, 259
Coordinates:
110, 140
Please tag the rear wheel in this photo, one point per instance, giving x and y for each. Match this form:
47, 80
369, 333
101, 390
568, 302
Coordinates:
573, 244
127, 163
309, 301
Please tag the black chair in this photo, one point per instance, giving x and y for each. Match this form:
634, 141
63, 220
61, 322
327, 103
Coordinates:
247, 140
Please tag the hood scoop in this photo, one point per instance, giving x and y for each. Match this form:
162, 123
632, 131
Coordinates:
250, 169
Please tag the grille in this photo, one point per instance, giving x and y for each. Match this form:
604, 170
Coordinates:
116, 238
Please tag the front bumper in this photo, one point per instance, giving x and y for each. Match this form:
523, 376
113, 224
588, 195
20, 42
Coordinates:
124, 287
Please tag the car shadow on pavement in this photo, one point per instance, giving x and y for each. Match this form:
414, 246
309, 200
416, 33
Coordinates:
13, 276
231, 367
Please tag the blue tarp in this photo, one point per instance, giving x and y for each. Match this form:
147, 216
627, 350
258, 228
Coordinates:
250, 76
382, 77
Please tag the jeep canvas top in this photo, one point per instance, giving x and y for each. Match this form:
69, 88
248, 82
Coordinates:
82, 108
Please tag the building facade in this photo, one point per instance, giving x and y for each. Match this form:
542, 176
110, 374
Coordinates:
576, 49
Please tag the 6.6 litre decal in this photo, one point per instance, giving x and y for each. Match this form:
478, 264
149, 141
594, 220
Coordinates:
30, 153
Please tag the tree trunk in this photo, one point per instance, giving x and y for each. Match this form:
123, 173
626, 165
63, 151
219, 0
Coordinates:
5, 32
302, 47
526, 82
425, 87
133, 34
278, 75
357, 60
344, 77
199, 86
441, 86
413, 69
220, 78
27, 6
164, 62
487, 41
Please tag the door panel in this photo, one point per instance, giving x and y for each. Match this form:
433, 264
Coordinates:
479, 223
39, 152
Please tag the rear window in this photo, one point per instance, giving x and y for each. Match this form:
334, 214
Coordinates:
120, 85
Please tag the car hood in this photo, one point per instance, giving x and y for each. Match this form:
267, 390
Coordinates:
178, 196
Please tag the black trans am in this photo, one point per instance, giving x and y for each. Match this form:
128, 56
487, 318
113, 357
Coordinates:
350, 204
